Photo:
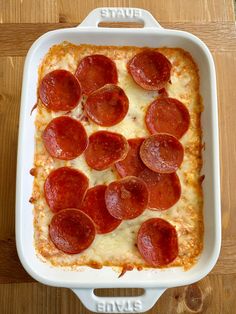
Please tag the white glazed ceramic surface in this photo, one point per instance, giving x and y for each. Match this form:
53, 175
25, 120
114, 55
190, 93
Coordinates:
85, 279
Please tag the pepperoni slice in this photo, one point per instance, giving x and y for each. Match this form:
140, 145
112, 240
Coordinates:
126, 198
150, 69
104, 149
72, 231
132, 165
157, 242
95, 207
65, 138
162, 153
107, 106
164, 188
95, 71
59, 90
167, 115
65, 188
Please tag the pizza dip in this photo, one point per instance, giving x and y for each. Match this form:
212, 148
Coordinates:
118, 158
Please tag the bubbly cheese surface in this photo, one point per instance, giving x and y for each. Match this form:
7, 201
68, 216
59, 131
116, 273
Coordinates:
118, 248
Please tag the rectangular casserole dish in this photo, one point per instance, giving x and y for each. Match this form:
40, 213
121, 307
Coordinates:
84, 279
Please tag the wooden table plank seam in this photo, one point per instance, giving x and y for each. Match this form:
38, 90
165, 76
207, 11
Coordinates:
218, 36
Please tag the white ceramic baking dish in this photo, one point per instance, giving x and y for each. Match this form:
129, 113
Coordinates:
85, 279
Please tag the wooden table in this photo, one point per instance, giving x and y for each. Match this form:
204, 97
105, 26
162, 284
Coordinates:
22, 21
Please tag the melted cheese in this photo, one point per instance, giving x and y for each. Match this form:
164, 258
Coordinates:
118, 248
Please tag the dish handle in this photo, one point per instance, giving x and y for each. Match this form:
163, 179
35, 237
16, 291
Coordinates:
120, 15
135, 304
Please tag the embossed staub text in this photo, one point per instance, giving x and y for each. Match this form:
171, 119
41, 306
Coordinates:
119, 306
120, 13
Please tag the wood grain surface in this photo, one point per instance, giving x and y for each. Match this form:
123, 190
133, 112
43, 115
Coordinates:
21, 22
